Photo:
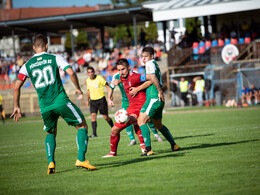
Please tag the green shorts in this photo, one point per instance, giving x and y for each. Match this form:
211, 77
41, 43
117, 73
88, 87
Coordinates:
153, 108
69, 112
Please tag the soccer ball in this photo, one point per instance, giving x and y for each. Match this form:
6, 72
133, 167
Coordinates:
121, 116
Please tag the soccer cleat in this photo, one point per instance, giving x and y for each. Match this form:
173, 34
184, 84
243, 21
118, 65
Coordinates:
157, 136
175, 147
85, 164
51, 168
132, 142
93, 136
147, 153
110, 154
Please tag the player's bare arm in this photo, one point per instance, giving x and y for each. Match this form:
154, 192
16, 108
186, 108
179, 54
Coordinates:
88, 98
75, 81
17, 110
134, 90
153, 78
110, 97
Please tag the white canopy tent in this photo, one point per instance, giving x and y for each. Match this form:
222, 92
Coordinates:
175, 9
169, 10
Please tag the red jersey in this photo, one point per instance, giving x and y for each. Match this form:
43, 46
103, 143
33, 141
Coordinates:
134, 80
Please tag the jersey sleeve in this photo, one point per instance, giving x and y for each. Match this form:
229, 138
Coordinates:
102, 80
23, 74
62, 63
111, 85
150, 67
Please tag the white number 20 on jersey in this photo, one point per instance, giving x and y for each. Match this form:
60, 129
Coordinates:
43, 77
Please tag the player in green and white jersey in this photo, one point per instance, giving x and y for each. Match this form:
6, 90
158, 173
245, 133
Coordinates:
125, 104
153, 107
43, 70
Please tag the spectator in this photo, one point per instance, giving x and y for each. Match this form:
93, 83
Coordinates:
199, 89
184, 86
253, 92
245, 95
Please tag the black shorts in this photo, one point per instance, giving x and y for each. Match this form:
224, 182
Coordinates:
1, 108
99, 105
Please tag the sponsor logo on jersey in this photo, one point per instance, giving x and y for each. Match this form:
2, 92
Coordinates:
39, 63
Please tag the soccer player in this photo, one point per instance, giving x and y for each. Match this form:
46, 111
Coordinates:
153, 106
125, 104
128, 79
43, 70
96, 98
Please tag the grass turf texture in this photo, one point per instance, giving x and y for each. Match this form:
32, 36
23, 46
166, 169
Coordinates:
221, 155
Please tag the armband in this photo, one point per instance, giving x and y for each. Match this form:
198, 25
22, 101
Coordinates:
21, 77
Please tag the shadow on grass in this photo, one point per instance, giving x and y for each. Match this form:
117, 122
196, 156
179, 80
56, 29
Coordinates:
193, 136
68, 170
217, 144
141, 159
159, 154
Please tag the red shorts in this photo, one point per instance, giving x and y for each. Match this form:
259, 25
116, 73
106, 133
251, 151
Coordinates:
132, 111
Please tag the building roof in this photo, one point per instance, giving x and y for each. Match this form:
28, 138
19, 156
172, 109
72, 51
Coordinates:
175, 9
29, 13
40, 20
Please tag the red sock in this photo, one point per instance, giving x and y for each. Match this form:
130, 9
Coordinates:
114, 139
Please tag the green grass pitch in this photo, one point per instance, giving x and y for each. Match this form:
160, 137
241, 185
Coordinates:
220, 155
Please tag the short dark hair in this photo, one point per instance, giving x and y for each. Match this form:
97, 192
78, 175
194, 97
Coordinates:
123, 61
40, 41
90, 68
148, 49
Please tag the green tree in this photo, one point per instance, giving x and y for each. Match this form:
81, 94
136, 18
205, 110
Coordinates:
151, 32
68, 42
193, 28
82, 39
121, 34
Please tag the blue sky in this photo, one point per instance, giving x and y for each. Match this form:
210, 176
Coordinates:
57, 3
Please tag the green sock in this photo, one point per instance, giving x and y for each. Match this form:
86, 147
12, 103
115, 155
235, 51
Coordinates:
152, 128
130, 132
146, 135
50, 145
166, 133
82, 143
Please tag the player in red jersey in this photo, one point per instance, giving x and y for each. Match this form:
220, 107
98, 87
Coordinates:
128, 79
